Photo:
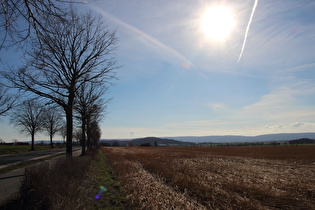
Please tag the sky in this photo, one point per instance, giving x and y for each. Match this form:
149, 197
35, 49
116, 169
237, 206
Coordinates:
197, 68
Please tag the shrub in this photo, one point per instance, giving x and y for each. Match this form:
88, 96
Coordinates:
57, 184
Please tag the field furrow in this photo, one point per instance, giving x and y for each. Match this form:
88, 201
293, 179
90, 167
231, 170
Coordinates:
190, 178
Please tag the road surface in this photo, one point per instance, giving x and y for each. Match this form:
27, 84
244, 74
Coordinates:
7, 160
10, 181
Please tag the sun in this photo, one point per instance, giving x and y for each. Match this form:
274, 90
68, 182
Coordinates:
217, 22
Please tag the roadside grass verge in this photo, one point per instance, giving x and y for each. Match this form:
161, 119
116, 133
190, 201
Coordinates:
104, 176
69, 184
57, 184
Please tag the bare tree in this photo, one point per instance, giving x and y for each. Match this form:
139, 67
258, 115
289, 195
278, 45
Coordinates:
28, 118
7, 101
68, 55
63, 132
77, 135
20, 18
52, 122
93, 121
89, 104
95, 132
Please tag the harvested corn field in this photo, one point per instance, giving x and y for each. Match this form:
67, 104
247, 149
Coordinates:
216, 178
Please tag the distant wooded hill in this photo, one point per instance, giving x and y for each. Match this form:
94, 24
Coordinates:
290, 138
154, 141
147, 141
234, 138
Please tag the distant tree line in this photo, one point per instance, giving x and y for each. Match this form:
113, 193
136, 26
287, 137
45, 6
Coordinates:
68, 67
302, 141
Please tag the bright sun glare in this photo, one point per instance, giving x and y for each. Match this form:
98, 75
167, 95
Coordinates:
217, 22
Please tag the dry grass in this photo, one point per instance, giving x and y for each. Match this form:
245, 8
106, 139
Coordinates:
70, 184
217, 178
57, 184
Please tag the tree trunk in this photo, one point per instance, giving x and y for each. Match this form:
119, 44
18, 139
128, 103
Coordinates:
33, 139
83, 137
51, 142
51, 137
69, 118
88, 134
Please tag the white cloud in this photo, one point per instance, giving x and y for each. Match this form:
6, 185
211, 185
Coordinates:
217, 106
284, 103
289, 127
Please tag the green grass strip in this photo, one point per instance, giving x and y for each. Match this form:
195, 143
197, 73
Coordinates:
112, 198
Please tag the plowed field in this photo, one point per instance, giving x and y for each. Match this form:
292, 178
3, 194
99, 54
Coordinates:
281, 177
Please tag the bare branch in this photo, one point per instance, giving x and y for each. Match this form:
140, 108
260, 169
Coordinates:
7, 101
20, 18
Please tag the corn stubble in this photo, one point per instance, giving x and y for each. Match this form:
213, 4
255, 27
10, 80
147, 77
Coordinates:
192, 178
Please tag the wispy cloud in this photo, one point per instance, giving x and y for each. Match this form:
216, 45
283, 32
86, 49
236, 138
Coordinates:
281, 37
302, 67
217, 106
283, 103
147, 39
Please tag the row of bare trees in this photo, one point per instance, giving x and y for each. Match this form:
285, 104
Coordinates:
30, 117
70, 63
90, 107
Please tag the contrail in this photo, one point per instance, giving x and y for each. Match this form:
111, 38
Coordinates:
247, 29
146, 39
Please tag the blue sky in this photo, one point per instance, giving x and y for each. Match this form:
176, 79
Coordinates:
175, 80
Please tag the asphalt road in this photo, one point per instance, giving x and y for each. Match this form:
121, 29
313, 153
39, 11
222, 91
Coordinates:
10, 181
7, 160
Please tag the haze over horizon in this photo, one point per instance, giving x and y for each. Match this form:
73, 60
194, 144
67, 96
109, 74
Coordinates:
180, 74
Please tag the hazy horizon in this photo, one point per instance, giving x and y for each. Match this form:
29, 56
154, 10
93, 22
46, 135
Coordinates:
264, 137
